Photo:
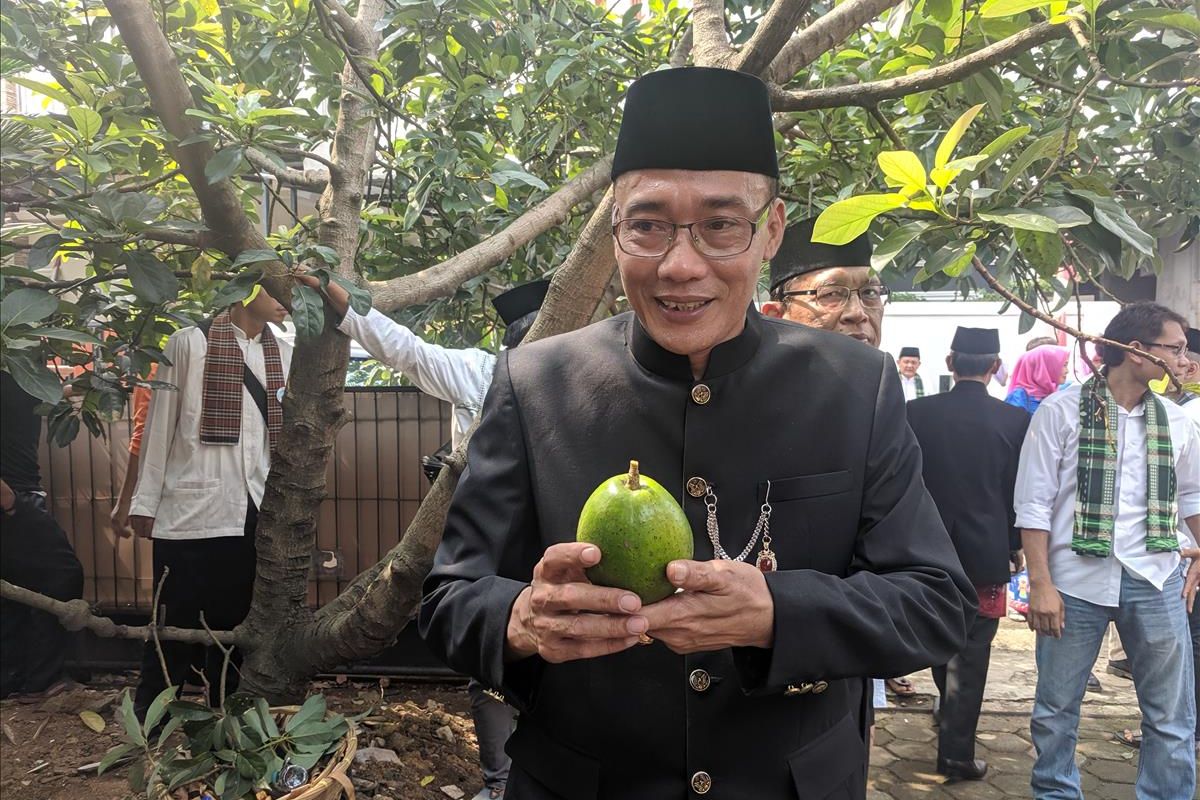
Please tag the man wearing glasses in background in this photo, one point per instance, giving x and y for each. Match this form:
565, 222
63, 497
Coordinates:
827, 286
750, 683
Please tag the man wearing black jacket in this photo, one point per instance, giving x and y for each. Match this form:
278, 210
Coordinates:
750, 685
971, 445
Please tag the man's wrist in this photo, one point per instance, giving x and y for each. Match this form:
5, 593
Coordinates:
518, 644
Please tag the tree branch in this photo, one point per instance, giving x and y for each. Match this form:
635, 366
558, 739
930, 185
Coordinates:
441, 280
772, 34
683, 48
710, 39
230, 228
864, 94
313, 180
885, 126
822, 36
36, 201
76, 615
1037, 313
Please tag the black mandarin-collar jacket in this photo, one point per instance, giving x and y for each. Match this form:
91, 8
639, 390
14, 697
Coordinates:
970, 446
868, 583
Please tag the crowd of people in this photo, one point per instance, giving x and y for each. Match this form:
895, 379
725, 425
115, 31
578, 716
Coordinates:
876, 524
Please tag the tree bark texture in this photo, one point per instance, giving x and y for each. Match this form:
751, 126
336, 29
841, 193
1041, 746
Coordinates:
313, 414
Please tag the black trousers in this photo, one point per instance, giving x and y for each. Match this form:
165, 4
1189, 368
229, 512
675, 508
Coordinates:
35, 554
214, 576
961, 683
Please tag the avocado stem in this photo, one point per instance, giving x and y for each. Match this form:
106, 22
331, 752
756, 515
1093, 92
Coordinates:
634, 484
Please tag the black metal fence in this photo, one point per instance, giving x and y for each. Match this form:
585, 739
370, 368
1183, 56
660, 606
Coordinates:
374, 485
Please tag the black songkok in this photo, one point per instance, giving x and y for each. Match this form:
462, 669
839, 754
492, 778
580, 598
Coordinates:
697, 118
520, 300
799, 254
1193, 340
976, 341
909, 352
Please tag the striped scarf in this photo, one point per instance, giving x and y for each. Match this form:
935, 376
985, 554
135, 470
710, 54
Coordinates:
221, 406
920, 385
1095, 495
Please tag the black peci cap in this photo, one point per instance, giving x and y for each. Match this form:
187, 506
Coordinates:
909, 352
799, 254
976, 341
520, 300
697, 118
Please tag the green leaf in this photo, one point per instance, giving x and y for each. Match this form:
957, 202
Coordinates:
1023, 220
87, 122
26, 306
1165, 18
1008, 8
1041, 148
902, 169
895, 242
1044, 251
557, 68
1065, 216
953, 259
237, 289
1109, 213
308, 312
44, 89
1000, 145
944, 176
153, 281
847, 219
954, 135
65, 335
157, 708
266, 718
223, 164
254, 257
133, 728
503, 176
313, 709
501, 198
43, 251
516, 119
360, 298
114, 755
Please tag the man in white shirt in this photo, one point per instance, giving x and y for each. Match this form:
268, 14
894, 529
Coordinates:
206, 452
909, 362
460, 377
1107, 471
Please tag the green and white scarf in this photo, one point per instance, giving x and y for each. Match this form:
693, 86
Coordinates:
1095, 500
920, 385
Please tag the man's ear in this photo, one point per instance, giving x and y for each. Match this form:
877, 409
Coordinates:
950, 363
772, 308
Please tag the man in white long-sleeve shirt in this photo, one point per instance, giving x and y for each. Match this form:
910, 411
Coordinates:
205, 455
461, 377
1107, 471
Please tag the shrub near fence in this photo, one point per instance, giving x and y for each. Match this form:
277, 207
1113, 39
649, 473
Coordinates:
374, 485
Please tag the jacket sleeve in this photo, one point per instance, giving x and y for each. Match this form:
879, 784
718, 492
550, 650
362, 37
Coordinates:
487, 554
905, 601
162, 418
460, 377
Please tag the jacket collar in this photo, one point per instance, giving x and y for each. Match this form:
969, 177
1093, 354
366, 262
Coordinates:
969, 387
725, 358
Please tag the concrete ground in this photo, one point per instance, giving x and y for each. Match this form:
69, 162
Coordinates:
902, 760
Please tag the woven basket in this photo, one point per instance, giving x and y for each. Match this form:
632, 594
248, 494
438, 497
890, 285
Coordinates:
333, 781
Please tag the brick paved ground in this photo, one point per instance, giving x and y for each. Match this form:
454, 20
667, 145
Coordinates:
902, 761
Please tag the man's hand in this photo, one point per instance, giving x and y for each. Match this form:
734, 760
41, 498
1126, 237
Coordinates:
561, 616
339, 298
1047, 614
142, 526
120, 520
1016, 562
723, 604
8, 498
1191, 582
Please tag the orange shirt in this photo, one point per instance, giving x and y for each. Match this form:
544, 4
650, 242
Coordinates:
141, 408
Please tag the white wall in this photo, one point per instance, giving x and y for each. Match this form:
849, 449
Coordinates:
929, 325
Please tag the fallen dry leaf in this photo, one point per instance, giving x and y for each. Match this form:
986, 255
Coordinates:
92, 720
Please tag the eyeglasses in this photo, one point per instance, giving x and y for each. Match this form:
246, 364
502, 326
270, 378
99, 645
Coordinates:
1176, 350
714, 237
834, 297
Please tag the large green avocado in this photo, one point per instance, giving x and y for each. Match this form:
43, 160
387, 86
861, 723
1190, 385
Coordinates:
639, 529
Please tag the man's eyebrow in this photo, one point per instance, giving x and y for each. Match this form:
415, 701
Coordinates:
715, 203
